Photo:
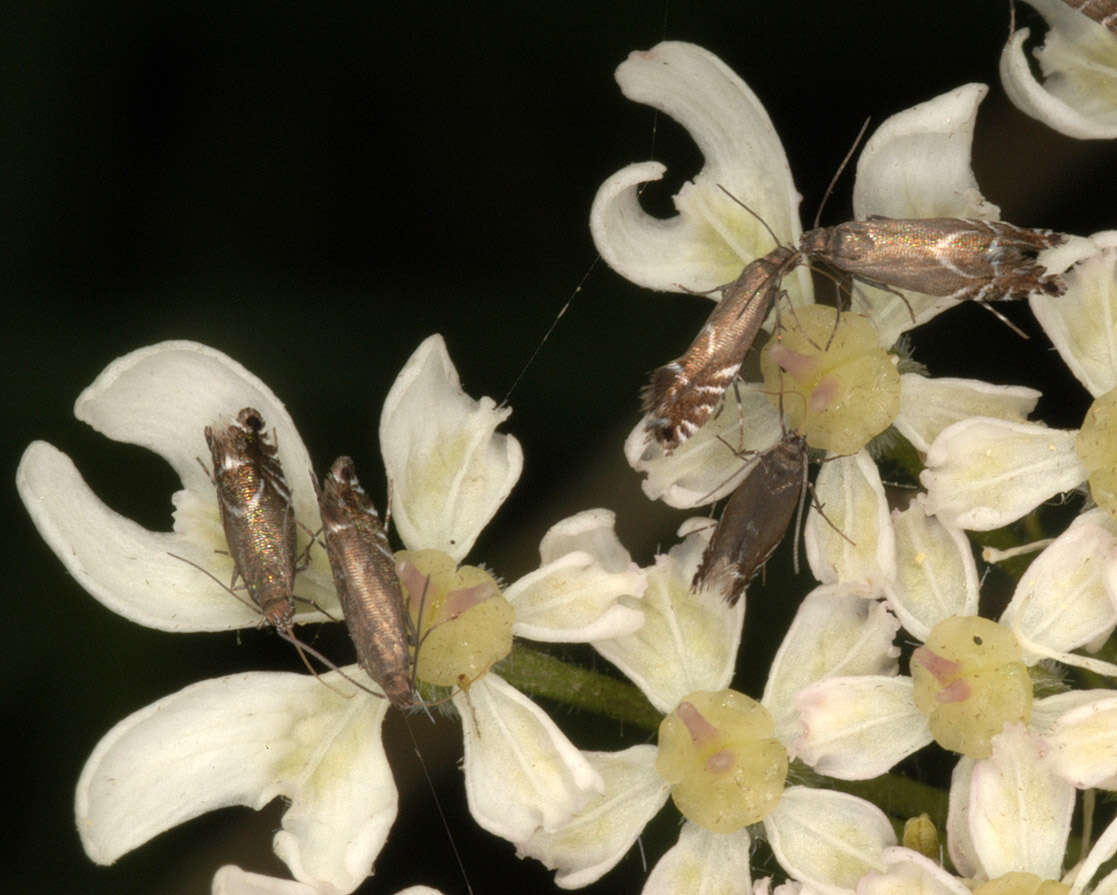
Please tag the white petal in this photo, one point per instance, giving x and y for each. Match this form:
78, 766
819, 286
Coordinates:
856, 728
826, 838
712, 238
162, 397
854, 543
984, 473
587, 588
927, 406
704, 469
917, 163
592, 532
960, 844
1061, 602
1019, 809
936, 576
1103, 850
448, 468
594, 839
833, 634
909, 873
1047, 711
243, 740
702, 861
689, 640
1084, 742
1078, 96
1082, 324
521, 773
231, 880
574, 599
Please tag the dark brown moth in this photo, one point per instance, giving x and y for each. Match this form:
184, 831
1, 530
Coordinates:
366, 581
257, 514
755, 519
949, 257
1104, 12
682, 394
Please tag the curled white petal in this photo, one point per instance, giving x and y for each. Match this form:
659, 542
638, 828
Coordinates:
688, 641
907, 873
713, 461
231, 880
1082, 324
162, 397
917, 163
712, 238
1084, 748
850, 541
984, 473
590, 531
927, 406
1061, 601
936, 576
594, 839
243, 740
828, 839
702, 861
1019, 810
521, 773
834, 633
1078, 95
449, 469
856, 728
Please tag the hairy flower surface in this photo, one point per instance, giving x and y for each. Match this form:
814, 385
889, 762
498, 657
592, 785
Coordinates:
1077, 94
245, 739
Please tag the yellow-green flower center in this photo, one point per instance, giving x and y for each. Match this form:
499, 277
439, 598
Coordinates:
921, 835
466, 623
838, 386
1017, 883
969, 682
719, 752
1097, 449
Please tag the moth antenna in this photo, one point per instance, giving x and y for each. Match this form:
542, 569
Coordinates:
763, 223
550, 329
1016, 329
217, 580
438, 806
838, 173
314, 604
294, 641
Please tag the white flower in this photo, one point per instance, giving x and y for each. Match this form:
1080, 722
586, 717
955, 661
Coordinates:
688, 644
1009, 814
857, 727
917, 164
1078, 94
248, 738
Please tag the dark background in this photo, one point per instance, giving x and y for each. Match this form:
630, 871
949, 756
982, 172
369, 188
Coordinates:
315, 189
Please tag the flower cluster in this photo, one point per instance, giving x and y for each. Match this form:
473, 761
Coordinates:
1012, 699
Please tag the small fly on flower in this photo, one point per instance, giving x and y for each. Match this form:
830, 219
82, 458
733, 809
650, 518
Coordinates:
682, 394
755, 519
367, 583
949, 257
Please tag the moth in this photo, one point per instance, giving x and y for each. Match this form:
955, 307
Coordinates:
948, 257
257, 514
755, 519
1104, 12
682, 394
367, 584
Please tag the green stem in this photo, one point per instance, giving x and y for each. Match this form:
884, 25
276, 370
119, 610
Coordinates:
539, 674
